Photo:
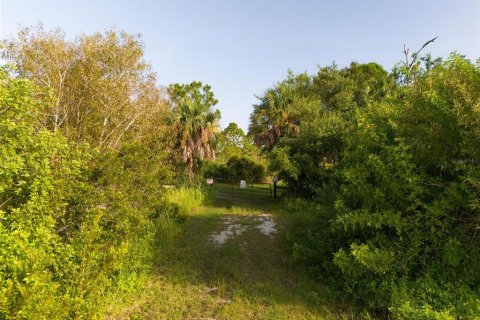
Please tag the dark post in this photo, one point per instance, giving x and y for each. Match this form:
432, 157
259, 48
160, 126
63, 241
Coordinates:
275, 180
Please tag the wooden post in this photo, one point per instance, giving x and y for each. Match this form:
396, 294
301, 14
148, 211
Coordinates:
275, 180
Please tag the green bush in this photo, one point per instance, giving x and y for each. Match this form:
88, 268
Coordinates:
402, 188
71, 229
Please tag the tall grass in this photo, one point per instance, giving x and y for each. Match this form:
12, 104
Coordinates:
187, 199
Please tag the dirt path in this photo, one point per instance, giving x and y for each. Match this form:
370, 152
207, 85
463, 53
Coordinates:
234, 227
226, 263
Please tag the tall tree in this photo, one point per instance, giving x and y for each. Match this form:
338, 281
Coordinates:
278, 112
323, 111
99, 85
194, 121
232, 141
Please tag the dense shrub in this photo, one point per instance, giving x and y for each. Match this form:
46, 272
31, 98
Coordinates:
38, 179
409, 194
71, 229
85, 156
399, 175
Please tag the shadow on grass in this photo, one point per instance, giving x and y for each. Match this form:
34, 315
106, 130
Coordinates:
228, 195
250, 269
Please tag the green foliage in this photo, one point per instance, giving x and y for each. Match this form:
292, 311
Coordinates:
387, 164
233, 142
40, 175
239, 168
326, 113
195, 123
237, 157
398, 167
71, 229
98, 88
186, 199
277, 113
85, 156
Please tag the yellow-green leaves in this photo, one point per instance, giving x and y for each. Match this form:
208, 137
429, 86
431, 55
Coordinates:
96, 88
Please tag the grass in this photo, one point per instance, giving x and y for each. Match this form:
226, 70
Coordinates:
246, 278
186, 198
262, 193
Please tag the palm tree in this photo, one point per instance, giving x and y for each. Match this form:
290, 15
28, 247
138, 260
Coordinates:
278, 113
194, 121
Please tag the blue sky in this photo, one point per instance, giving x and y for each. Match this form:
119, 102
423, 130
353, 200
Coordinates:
243, 47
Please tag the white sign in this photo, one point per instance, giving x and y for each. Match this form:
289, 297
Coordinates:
243, 184
210, 181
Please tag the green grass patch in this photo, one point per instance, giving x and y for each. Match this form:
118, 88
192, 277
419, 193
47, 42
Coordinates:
186, 198
248, 277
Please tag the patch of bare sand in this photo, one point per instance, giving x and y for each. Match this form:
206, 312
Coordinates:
233, 228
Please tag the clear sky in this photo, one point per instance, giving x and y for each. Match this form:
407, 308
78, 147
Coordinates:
243, 47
